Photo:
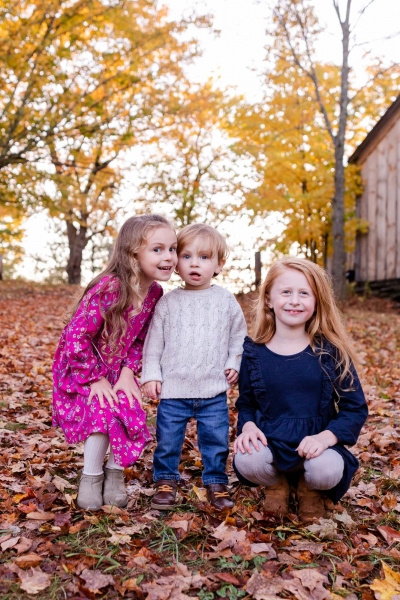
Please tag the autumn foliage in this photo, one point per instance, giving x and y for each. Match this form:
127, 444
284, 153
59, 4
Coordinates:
52, 550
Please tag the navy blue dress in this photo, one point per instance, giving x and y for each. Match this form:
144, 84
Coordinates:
290, 397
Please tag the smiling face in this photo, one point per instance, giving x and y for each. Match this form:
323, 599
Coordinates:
157, 257
197, 266
291, 299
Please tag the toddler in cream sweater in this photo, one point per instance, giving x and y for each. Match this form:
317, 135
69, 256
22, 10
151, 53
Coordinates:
191, 356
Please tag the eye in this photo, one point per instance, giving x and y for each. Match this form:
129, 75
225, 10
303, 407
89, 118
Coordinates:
204, 256
157, 249
286, 292
172, 249
304, 293
185, 256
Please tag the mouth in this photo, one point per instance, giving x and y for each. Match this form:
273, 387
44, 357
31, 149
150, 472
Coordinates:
194, 275
293, 312
166, 269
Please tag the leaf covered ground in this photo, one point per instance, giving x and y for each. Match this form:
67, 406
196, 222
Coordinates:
49, 549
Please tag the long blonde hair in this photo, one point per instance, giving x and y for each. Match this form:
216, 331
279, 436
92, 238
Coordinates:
324, 325
125, 267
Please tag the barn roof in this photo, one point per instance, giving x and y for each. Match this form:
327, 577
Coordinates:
377, 131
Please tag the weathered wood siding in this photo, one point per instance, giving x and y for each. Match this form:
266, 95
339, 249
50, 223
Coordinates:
377, 256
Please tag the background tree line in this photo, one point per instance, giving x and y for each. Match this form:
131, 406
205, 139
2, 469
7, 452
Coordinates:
94, 94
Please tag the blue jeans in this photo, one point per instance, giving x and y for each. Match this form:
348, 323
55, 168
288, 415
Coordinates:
212, 419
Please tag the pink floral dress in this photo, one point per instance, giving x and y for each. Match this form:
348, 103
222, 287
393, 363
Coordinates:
82, 357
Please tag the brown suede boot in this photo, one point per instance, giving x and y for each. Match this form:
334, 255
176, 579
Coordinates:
164, 498
311, 502
277, 498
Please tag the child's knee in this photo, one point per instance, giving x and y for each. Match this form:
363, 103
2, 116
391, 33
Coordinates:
257, 467
325, 471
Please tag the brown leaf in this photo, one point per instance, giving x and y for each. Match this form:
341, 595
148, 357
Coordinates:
390, 535
9, 543
34, 580
263, 588
40, 516
28, 560
229, 535
24, 545
96, 580
263, 549
227, 578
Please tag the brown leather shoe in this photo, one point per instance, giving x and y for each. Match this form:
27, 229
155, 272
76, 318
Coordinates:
311, 502
277, 498
164, 498
218, 496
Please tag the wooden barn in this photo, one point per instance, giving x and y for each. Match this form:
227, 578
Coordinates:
377, 252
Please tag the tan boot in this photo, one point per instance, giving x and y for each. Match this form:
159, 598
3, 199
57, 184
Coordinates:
114, 492
311, 502
277, 498
90, 493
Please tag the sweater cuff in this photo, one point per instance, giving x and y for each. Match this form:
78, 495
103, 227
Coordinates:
233, 362
151, 373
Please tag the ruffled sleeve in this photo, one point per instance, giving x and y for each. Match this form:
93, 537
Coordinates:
133, 359
252, 390
82, 358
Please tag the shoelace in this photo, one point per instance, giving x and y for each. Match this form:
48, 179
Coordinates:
165, 488
221, 494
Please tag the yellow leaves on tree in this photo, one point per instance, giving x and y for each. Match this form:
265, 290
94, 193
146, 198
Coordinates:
81, 84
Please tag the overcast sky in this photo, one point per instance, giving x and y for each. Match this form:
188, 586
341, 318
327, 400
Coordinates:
241, 44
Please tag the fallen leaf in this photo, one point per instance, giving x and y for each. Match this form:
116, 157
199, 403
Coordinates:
28, 560
264, 549
61, 483
24, 545
40, 516
95, 580
388, 588
201, 493
229, 535
346, 519
118, 538
10, 543
34, 580
325, 528
390, 535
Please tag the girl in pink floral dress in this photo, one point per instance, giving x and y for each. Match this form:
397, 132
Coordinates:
96, 398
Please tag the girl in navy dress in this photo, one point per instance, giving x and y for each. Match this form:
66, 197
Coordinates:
300, 400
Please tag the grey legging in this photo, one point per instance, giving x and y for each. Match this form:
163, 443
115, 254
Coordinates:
320, 473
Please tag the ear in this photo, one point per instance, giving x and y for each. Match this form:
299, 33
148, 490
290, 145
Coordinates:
268, 302
220, 266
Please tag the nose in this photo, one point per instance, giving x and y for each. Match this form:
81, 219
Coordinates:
295, 299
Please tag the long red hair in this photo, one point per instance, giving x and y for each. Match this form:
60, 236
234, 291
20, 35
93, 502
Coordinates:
326, 322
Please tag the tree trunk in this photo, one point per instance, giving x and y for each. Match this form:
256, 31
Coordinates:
339, 252
77, 240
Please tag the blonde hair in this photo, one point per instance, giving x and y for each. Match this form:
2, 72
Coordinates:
125, 267
213, 242
324, 325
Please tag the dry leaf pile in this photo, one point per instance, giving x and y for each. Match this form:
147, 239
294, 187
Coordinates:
52, 550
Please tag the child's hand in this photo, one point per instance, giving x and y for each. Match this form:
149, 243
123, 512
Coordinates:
232, 376
102, 389
313, 445
126, 383
250, 433
152, 389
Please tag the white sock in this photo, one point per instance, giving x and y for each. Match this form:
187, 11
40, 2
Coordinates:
95, 449
111, 464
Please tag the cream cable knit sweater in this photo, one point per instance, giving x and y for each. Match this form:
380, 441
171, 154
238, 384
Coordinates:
193, 337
